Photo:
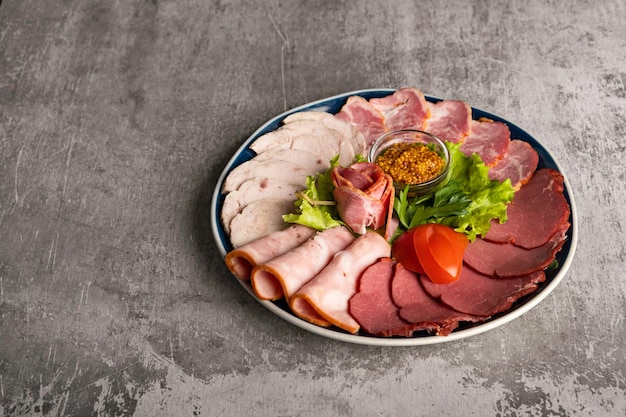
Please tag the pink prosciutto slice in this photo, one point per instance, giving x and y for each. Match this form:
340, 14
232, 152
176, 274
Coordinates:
283, 275
324, 299
418, 307
478, 295
406, 108
508, 260
538, 210
242, 260
450, 120
364, 196
372, 306
488, 139
518, 164
366, 118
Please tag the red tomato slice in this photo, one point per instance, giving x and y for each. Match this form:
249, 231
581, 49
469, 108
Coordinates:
440, 252
403, 250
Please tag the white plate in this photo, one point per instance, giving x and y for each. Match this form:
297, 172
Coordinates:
333, 105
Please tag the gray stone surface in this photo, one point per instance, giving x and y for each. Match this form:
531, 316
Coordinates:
116, 119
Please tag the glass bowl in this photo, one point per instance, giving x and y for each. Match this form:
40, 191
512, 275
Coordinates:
418, 137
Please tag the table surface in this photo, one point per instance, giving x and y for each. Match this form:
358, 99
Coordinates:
116, 120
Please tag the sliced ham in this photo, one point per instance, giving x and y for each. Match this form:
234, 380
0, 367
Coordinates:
364, 196
344, 127
418, 307
538, 210
259, 219
324, 299
372, 306
283, 275
488, 139
365, 117
406, 108
478, 295
518, 164
243, 259
254, 190
508, 260
450, 120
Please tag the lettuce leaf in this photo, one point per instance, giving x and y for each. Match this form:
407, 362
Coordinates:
467, 201
316, 207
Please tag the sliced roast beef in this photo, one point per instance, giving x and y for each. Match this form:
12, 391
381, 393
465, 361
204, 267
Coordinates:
449, 120
488, 139
373, 307
538, 210
479, 295
518, 164
424, 311
365, 117
406, 108
509, 260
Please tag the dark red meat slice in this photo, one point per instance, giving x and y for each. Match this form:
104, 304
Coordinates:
508, 260
366, 118
449, 120
479, 295
417, 307
488, 139
404, 109
538, 210
518, 164
372, 306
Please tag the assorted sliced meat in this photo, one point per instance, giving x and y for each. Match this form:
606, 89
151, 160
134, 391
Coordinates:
259, 191
345, 277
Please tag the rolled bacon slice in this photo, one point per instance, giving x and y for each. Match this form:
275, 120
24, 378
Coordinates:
283, 275
364, 196
324, 300
243, 259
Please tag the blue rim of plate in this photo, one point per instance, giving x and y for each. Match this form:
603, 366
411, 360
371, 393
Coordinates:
523, 305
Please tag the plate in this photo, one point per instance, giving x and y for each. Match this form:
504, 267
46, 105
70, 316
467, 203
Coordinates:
523, 305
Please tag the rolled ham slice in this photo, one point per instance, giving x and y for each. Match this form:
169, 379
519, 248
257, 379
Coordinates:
324, 300
283, 275
242, 260
364, 196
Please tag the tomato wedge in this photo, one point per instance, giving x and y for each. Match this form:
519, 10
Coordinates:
403, 250
436, 251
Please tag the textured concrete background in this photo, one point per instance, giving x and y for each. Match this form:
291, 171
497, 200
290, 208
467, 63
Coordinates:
116, 119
